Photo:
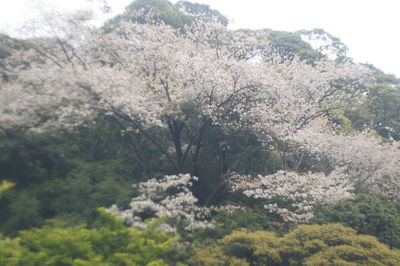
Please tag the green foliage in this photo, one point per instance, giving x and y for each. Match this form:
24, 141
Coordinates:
110, 244
380, 112
239, 152
202, 10
86, 188
22, 212
64, 176
384, 104
4, 185
331, 244
214, 255
250, 219
162, 10
336, 244
382, 77
368, 214
360, 118
10, 250
327, 44
7, 45
67, 175
288, 44
339, 117
4, 51
257, 247
169, 14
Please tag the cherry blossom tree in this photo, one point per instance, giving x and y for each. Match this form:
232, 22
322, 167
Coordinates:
148, 75
147, 78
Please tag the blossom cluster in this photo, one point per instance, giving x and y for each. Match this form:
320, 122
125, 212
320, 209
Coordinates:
167, 197
371, 164
145, 72
293, 195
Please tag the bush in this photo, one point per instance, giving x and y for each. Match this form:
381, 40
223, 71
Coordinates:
110, 244
251, 219
368, 214
331, 244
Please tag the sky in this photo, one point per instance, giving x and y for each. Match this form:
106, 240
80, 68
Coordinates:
370, 28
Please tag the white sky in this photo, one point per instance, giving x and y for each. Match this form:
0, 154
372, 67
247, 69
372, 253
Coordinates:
370, 28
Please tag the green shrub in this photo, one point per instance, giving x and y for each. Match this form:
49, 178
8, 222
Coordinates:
110, 244
250, 219
372, 215
331, 244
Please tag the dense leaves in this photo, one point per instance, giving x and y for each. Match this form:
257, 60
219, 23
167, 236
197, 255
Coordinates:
110, 244
4, 185
65, 176
367, 214
307, 245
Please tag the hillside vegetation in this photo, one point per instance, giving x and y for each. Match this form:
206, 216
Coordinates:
164, 138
